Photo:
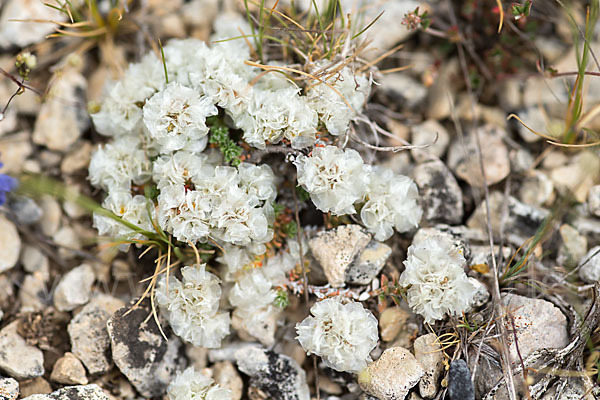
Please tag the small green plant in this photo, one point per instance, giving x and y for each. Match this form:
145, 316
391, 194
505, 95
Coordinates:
220, 136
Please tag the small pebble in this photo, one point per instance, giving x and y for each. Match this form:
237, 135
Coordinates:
460, 386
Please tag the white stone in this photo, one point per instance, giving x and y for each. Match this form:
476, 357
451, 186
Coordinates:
74, 288
403, 90
538, 324
463, 156
589, 270
536, 189
227, 376
572, 248
429, 355
10, 245
392, 375
63, 115
33, 295
68, 241
336, 249
430, 133
21, 33
34, 260
17, 358
441, 196
482, 294
78, 159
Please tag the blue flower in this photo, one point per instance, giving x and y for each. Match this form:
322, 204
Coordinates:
7, 183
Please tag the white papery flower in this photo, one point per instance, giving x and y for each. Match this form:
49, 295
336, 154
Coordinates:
334, 178
277, 113
192, 385
343, 335
392, 202
258, 181
121, 109
184, 213
115, 165
191, 306
130, 208
176, 118
339, 97
180, 168
436, 280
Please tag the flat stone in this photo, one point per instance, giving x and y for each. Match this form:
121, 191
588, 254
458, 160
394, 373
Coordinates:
441, 197
26, 210
391, 321
460, 386
140, 352
87, 392
336, 249
74, 288
589, 267
63, 115
429, 132
89, 337
593, 200
539, 325
367, 265
68, 370
428, 353
226, 375
277, 375
579, 175
392, 375
572, 248
68, 241
228, 351
521, 222
464, 161
9, 389
17, 358
441, 95
10, 245
50, 221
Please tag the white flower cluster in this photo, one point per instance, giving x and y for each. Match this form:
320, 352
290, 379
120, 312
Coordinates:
192, 385
337, 179
199, 200
160, 131
436, 280
342, 334
192, 305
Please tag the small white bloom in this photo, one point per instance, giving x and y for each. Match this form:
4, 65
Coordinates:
115, 165
334, 178
258, 181
391, 203
191, 306
130, 208
436, 280
176, 118
192, 385
342, 334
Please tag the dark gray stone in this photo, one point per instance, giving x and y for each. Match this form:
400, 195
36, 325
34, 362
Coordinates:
278, 376
460, 386
141, 353
26, 210
441, 197
87, 392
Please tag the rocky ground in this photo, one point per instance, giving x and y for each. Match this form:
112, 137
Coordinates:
65, 329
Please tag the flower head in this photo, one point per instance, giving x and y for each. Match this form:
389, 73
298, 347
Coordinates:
191, 306
193, 385
334, 178
342, 334
436, 281
391, 203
